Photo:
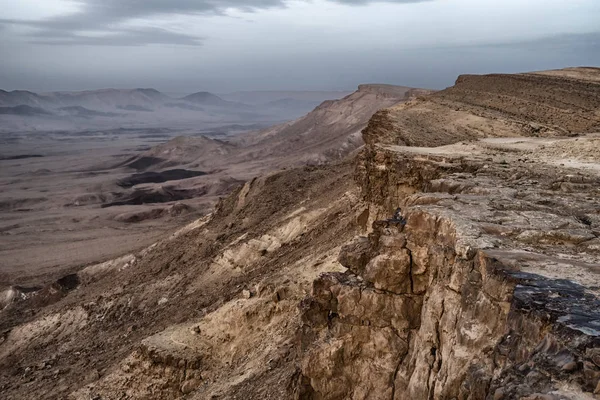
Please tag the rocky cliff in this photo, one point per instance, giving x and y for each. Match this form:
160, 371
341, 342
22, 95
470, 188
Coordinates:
536, 104
484, 284
469, 270
484, 288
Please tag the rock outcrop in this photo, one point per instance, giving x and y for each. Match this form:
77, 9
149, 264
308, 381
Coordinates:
484, 291
560, 103
486, 287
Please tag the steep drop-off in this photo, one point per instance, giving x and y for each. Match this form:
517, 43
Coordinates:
485, 288
484, 284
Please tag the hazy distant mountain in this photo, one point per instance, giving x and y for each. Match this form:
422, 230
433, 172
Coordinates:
133, 107
23, 110
78, 111
209, 99
22, 97
264, 97
94, 99
113, 108
111, 98
184, 106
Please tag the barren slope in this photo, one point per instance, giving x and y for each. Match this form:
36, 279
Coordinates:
256, 239
183, 150
83, 203
538, 104
332, 130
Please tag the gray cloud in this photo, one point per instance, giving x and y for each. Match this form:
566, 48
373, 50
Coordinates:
365, 2
122, 37
301, 45
106, 16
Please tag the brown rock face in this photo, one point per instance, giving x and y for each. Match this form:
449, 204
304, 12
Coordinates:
487, 287
415, 322
462, 311
550, 104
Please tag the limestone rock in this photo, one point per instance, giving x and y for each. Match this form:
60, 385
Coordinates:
189, 386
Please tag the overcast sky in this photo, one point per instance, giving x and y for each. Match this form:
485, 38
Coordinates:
228, 45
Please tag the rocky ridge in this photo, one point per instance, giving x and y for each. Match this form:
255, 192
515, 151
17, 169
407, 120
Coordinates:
331, 131
555, 103
486, 286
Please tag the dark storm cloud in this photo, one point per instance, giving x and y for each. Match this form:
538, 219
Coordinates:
105, 16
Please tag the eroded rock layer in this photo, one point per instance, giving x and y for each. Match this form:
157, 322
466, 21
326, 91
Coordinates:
484, 284
556, 103
486, 288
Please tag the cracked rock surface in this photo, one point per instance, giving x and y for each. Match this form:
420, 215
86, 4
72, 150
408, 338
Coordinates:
489, 290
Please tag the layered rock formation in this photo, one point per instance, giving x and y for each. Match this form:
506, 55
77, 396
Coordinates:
556, 103
486, 287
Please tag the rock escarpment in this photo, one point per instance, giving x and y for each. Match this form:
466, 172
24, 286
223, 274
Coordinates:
556, 103
484, 291
485, 288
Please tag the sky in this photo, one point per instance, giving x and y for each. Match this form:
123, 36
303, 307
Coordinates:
222, 46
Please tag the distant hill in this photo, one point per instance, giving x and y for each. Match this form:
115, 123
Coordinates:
209, 99
93, 99
78, 111
23, 97
331, 130
184, 106
203, 151
133, 107
23, 110
111, 98
113, 108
